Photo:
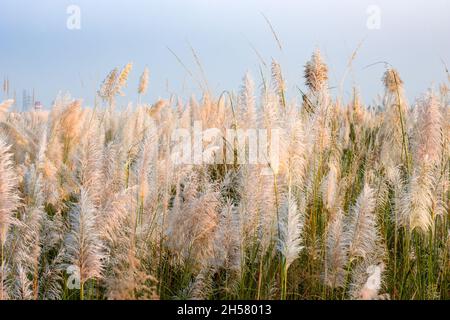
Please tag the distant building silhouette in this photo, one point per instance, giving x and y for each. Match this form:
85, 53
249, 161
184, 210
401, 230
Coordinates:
28, 101
38, 106
6, 87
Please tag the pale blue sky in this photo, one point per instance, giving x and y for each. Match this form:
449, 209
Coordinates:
38, 51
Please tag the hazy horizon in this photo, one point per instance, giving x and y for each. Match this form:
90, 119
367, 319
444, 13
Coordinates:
39, 52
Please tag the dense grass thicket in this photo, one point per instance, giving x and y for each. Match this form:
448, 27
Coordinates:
93, 204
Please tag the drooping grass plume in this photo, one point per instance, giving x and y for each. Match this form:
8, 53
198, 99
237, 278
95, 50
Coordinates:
9, 199
291, 226
336, 254
84, 249
361, 231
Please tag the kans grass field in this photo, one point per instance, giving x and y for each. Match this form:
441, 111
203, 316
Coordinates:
95, 204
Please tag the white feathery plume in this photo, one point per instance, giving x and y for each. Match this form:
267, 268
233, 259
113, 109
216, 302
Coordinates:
9, 201
266, 210
249, 204
5, 281
84, 249
90, 165
428, 139
115, 216
9, 198
146, 163
247, 102
293, 157
395, 120
361, 231
371, 283
291, 227
112, 171
419, 197
330, 185
279, 85
22, 285
193, 219
51, 277
227, 246
397, 182
201, 286
417, 201
4, 106
336, 254
27, 238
